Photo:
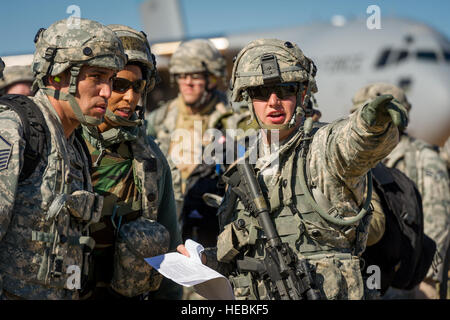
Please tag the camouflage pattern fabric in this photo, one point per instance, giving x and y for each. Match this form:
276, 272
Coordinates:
198, 56
14, 74
265, 62
40, 236
422, 164
445, 153
373, 90
2, 66
293, 65
137, 49
340, 155
378, 223
174, 115
90, 43
138, 239
133, 172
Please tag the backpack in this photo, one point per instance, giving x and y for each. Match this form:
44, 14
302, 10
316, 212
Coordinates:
35, 131
404, 253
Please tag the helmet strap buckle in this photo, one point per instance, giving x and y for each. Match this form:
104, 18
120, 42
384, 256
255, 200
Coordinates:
74, 72
50, 53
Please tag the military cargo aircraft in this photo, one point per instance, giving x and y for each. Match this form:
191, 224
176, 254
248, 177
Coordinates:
348, 56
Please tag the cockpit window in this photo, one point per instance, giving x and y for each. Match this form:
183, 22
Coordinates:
447, 56
402, 55
383, 58
427, 55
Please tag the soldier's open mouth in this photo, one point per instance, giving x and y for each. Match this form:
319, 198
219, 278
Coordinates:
123, 112
276, 117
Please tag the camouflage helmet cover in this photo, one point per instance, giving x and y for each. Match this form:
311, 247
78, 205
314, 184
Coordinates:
373, 90
292, 64
2, 66
63, 45
69, 46
16, 74
198, 55
137, 49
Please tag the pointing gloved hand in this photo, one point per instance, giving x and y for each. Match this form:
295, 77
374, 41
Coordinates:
384, 109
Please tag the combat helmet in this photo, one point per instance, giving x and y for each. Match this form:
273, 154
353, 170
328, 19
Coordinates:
267, 62
198, 56
371, 91
69, 46
14, 74
137, 49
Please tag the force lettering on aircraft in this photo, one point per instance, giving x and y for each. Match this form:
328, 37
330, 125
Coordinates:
343, 63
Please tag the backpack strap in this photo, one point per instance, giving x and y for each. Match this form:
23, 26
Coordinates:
35, 130
85, 149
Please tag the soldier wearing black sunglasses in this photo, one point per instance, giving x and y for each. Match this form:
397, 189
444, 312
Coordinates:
134, 177
122, 85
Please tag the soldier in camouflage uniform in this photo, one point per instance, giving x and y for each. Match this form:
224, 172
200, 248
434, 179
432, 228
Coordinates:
134, 177
330, 232
196, 66
420, 161
44, 219
445, 153
2, 67
17, 80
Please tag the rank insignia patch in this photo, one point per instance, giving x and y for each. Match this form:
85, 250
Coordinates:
5, 153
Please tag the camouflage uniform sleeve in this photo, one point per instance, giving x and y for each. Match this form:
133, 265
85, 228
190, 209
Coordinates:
351, 147
436, 202
12, 146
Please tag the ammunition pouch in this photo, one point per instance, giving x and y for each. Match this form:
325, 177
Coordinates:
85, 205
139, 239
233, 238
243, 286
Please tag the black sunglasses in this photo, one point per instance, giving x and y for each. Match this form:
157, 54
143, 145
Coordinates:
282, 90
122, 85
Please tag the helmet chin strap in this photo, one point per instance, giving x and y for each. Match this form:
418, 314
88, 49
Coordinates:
132, 122
70, 97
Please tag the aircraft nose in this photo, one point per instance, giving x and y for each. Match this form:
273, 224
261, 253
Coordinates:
430, 112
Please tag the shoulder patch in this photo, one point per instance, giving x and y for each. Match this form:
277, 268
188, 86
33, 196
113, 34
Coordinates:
5, 153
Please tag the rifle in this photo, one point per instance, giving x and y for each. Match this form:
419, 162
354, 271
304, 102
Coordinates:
286, 276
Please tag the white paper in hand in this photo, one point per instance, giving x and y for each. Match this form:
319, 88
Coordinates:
189, 271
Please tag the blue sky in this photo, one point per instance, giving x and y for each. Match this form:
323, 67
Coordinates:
20, 19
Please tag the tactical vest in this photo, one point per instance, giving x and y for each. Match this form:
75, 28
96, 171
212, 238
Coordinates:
330, 248
47, 241
145, 165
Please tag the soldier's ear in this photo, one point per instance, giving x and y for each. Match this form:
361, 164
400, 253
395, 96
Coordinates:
54, 81
212, 81
59, 81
